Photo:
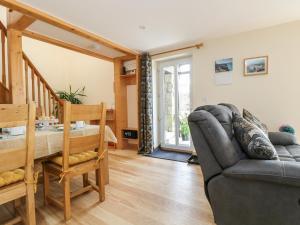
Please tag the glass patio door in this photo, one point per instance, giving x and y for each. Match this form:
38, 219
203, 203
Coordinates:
175, 105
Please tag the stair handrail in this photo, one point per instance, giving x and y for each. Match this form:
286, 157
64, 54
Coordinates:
34, 71
38, 74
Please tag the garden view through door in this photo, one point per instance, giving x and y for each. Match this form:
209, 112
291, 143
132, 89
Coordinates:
175, 101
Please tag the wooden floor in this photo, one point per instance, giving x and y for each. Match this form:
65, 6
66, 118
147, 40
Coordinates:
142, 191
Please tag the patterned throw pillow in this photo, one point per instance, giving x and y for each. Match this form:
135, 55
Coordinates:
253, 119
252, 139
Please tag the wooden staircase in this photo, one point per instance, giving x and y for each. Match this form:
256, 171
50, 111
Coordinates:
37, 88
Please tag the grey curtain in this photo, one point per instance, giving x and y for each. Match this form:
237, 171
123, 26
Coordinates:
146, 103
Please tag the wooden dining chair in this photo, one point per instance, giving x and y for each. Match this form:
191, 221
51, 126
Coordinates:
17, 164
80, 155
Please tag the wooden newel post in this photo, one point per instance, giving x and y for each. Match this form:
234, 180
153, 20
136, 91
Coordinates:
15, 67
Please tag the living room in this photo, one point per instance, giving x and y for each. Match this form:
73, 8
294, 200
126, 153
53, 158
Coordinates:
186, 117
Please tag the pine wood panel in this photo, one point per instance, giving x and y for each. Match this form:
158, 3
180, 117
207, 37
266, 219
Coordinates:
142, 191
15, 157
15, 113
82, 112
84, 143
12, 192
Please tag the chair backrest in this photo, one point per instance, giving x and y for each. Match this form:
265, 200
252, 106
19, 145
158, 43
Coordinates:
213, 138
73, 144
12, 115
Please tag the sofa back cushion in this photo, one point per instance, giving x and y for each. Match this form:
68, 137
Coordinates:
209, 165
253, 140
215, 123
254, 120
232, 108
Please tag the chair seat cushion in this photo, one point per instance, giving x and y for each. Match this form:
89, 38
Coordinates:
12, 176
76, 158
288, 152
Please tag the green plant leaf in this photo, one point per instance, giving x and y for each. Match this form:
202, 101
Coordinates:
70, 96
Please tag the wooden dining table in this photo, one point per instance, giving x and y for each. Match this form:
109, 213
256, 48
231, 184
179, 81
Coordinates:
49, 141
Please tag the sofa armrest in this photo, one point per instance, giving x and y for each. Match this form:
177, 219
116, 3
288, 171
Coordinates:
282, 138
266, 170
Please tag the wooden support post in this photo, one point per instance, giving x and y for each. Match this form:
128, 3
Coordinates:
39, 92
15, 67
105, 162
26, 82
49, 102
44, 99
138, 86
3, 58
32, 84
22, 23
120, 103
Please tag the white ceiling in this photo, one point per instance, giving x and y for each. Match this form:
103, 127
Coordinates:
169, 22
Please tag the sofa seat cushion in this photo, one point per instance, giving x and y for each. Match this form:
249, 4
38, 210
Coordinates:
12, 176
288, 152
76, 158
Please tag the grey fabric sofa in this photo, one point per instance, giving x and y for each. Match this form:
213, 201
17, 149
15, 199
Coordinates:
243, 191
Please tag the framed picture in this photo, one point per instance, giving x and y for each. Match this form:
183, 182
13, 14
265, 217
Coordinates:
256, 66
223, 65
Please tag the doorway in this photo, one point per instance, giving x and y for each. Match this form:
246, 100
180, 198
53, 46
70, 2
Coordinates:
175, 103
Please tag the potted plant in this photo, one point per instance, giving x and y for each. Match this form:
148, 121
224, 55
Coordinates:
73, 97
184, 129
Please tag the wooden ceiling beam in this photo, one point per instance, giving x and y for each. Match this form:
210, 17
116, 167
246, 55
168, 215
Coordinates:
125, 58
22, 23
62, 44
42, 16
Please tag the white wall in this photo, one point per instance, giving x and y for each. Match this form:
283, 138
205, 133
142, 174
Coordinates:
274, 98
132, 107
61, 67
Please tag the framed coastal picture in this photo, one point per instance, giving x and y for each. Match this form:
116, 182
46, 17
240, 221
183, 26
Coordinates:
223, 65
256, 66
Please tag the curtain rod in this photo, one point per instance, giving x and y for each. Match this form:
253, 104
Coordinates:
178, 49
